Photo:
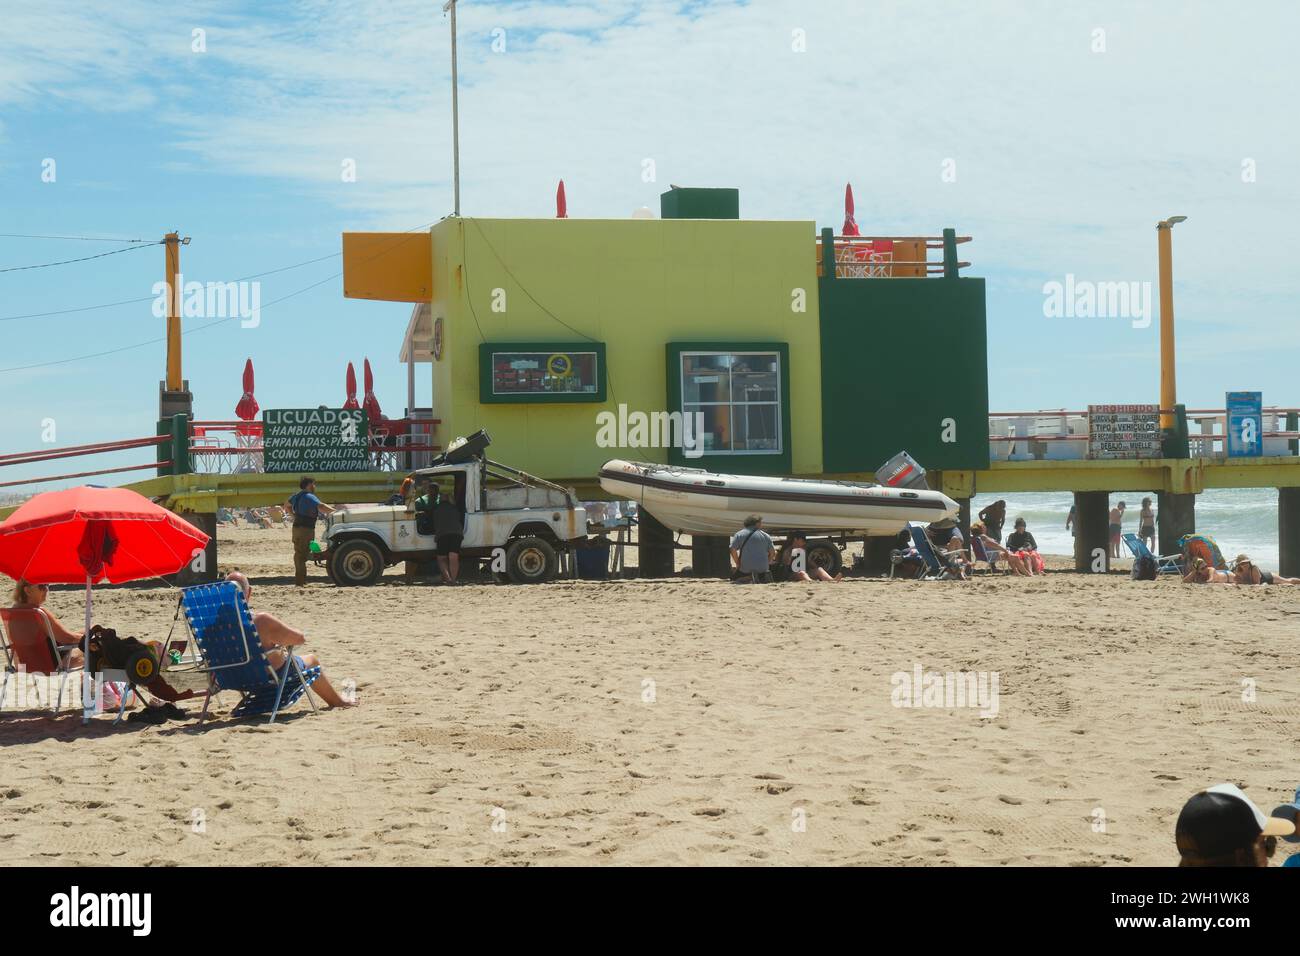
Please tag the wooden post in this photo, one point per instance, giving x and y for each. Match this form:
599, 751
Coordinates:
654, 544
1176, 517
1092, 531
1288, 531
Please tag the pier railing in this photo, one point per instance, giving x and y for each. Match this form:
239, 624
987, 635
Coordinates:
1062, 435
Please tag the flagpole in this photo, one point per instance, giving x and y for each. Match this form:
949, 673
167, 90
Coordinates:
450, 5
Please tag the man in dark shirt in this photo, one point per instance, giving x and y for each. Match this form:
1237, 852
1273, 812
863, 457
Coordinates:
449, 532
306, 508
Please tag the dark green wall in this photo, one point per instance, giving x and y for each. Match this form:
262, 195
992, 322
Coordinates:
696, 203
898, 357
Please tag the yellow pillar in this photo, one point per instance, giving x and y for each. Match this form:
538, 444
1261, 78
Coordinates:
1168, 385
173, 246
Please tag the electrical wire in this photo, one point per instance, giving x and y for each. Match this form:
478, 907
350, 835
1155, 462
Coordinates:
201, 328
66, 262
150, 298
16, 235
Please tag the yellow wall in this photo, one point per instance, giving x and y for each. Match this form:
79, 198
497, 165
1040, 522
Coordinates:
635, 285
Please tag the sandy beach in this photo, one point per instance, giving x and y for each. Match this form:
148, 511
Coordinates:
683, 722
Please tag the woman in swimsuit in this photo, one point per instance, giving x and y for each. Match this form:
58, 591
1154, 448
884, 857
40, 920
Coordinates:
1202, 573
1147, 525
1245, 571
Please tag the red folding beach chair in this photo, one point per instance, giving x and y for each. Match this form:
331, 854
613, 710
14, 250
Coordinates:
28, 641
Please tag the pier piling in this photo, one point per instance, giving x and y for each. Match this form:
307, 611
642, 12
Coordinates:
710, 557
654, 547
1288, 532
1092, 531
1176, 516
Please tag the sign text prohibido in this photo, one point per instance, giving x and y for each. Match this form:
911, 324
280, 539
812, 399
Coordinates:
1123, 431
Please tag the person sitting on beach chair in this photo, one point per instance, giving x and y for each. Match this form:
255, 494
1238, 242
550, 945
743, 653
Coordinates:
1023, 544
984, 548
792, 563
1221, 826
1245, 571
752, 552
1201, 573
275, 634
945, 535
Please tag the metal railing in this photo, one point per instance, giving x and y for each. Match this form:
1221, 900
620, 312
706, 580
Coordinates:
887, 257
1065, 433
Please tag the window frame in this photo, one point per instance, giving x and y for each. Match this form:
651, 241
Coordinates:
747, 461
487, 395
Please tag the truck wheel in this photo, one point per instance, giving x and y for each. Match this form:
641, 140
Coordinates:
531, 561
822, 553
356, 563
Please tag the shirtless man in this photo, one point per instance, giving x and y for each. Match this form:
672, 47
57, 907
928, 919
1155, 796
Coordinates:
275, 634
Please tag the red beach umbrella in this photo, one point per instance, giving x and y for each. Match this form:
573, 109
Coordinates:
374, 415
94, 534
247, 408
850, 224
561, 203
351, 403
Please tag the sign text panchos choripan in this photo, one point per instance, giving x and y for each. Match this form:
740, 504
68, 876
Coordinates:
307, 440
1123, 431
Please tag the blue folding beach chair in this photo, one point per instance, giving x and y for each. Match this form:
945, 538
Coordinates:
936, 561
1169, 564
232, 655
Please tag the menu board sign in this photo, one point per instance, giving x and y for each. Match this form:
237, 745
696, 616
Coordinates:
1124, 431
307, 440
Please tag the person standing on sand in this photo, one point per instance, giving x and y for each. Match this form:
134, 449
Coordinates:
275, 635
306, 508
1072, 521
448, 533
1147, 525
753, 552
1116, 528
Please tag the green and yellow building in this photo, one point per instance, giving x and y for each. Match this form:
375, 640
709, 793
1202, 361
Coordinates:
805, 354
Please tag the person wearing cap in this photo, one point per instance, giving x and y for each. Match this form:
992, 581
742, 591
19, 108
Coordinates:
1289, 812
1116, 528
1245, 571
1220, 826
753, 552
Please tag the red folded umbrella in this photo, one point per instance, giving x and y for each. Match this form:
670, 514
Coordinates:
561, 203
92, 534
850, 224
374, 415
351, 402
247, 408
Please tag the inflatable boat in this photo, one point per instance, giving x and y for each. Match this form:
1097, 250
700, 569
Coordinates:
695, 501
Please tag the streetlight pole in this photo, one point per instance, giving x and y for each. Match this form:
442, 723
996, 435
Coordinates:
1168, 385
450, 5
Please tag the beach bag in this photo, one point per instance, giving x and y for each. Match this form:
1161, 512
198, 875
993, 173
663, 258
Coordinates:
1144, 568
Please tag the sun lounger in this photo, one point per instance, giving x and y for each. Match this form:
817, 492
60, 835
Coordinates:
232, 654
980, 553
1168, 564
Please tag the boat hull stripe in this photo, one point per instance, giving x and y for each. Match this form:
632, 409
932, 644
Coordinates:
882, 502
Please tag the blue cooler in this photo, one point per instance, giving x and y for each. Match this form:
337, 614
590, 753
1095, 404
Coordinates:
593, 563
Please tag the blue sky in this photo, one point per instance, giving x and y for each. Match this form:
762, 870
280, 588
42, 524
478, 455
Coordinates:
1068, 145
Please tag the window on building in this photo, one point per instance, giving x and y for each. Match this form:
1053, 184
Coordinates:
739, 395
546, 373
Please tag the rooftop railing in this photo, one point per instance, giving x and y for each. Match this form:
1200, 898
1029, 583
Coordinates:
889, 257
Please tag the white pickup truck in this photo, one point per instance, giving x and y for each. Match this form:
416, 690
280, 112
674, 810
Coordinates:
518, 522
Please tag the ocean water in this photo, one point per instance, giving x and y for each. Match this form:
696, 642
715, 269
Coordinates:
1239, 519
